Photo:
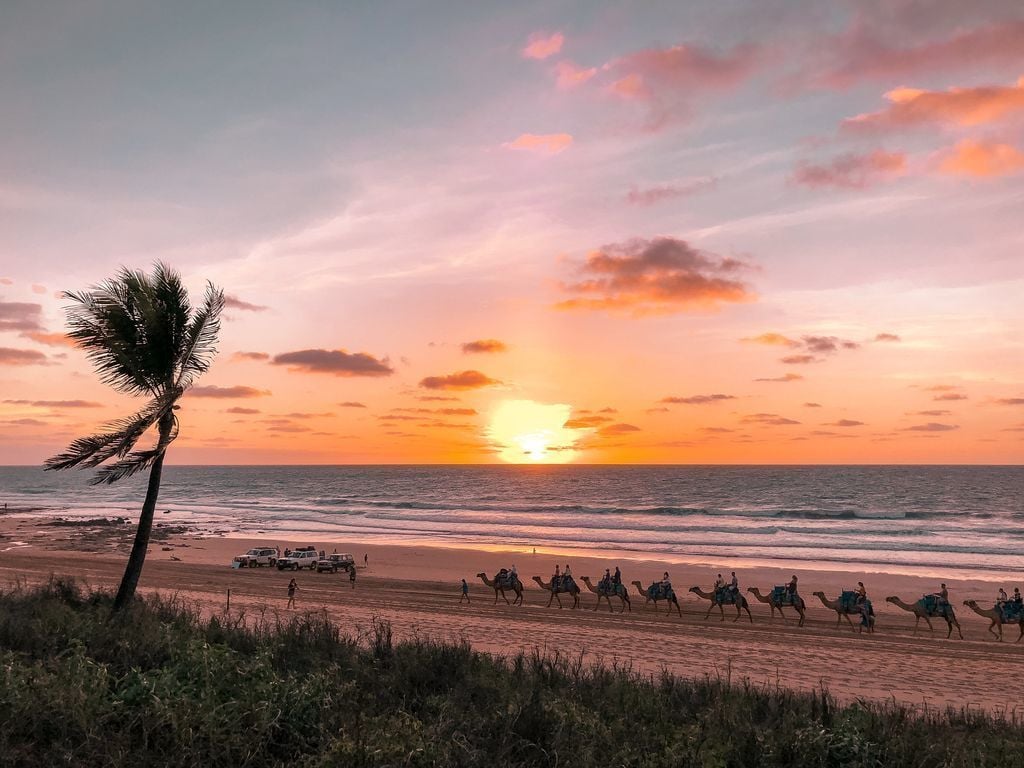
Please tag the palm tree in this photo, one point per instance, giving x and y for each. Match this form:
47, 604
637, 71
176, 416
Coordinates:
145, 339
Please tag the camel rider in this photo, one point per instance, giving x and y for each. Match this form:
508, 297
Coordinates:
515, 573
791, 590
1001, 599
943, 596
666, 585
734, 585
719, 582
1017, 599
606, 580
617, 578
862, 593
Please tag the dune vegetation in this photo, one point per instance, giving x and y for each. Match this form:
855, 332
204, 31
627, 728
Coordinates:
162, 684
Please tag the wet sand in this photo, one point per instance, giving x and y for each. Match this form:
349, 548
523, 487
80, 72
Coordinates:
417, 590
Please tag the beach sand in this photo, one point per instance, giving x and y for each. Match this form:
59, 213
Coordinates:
417, 590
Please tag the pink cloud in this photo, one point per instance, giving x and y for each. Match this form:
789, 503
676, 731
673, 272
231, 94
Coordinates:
852, 171
50, 339
337, 362
9, 356
542, 45
773, 340
37, 288
238, 391
546, 143
660, 193
910, 107
982, 158
861, 55
568, 75
784, 379
233, 302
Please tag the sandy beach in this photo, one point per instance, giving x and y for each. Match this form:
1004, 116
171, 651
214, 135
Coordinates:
417, 590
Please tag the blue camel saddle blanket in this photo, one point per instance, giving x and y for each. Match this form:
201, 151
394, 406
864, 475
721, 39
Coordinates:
1011, 611
781, 595
848, 600
725, 596
659, 591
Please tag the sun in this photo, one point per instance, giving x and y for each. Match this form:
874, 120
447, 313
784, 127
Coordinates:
528, 432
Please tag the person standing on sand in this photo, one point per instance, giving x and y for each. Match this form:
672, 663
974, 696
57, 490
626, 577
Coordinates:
292, 586
352, 576
465, 592
366, 560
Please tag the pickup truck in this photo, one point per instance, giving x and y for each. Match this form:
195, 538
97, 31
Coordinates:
335, 563
299, 558
256, 557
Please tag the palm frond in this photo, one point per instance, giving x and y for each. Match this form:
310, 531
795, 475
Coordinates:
118, 438
201, 338
135, 462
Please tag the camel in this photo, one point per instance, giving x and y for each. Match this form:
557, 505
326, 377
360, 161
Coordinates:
574, 591
741, 604
517, 587
841, 612
797, 606
651, 594
997, 620
921, 612
619, 592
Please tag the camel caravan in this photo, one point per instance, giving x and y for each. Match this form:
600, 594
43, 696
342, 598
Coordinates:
851, 605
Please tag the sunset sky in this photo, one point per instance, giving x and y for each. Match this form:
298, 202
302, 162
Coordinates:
764, 231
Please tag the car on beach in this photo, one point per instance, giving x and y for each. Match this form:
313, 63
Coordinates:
257, 557
305, 557
335, 563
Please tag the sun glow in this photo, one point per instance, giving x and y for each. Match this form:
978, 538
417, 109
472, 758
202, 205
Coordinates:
527, 432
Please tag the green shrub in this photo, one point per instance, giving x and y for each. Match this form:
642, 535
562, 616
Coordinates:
161, 685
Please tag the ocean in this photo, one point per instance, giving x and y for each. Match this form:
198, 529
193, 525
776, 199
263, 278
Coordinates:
942, 521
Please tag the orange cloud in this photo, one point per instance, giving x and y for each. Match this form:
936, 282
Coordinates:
542, 45
887, 337
586, 422
546, 143
617, 429
982, 158
351, 404
845, 423
568, 75
784, 379
1010, 401
484, 346
243, 411
949, 396
657, 276
956, 106
227, 392
50, 339
931, 427
460, 380
697, 399
334, 361
772, 339
769, 419
852, 171
250, 356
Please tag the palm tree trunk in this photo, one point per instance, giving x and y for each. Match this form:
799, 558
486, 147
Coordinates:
133, 570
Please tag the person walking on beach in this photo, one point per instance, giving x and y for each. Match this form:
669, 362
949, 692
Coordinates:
292, 587
352, 576
465, 592
366, 560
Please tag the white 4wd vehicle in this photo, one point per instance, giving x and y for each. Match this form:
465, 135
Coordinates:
299, 558
257, 557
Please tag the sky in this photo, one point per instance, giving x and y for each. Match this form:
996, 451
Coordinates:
774, 231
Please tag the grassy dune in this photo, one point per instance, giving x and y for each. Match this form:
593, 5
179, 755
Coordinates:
164, 686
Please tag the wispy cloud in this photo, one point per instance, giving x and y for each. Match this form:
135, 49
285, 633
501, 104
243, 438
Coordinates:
541, 45
544, 143
461, 380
